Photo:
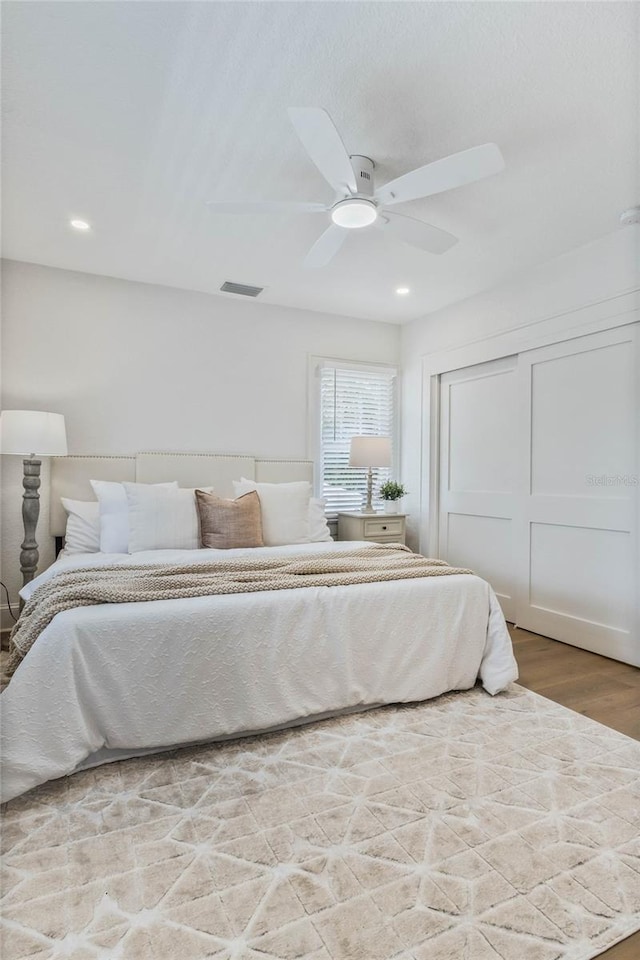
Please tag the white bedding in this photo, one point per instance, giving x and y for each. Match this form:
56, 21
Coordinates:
134, 676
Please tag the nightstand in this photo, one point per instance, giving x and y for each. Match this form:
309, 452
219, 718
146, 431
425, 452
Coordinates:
377, 527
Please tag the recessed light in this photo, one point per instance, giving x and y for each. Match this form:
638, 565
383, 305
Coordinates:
402, 291
80, 224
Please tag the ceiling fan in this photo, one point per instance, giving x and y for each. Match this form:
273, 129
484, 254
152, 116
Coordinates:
359, 203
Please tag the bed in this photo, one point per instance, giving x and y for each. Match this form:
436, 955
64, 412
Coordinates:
111, 681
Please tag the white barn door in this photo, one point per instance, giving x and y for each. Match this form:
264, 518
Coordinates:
478, 473
578, 576
539, 486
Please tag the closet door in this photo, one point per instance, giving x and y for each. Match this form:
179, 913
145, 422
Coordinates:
478, 473
577, 522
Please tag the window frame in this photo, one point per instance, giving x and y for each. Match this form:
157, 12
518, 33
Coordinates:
314, 444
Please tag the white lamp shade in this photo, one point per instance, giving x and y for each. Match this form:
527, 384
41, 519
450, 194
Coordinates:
32, 433
370, 452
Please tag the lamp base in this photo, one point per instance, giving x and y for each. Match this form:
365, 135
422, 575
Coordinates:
368, 507
29, 555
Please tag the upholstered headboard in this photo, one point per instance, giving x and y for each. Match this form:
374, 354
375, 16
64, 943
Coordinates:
70, 476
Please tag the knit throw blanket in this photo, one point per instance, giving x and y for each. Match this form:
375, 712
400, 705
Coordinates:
129, 583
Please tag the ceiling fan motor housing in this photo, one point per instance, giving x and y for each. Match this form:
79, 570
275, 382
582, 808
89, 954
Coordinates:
363, 169
357, 209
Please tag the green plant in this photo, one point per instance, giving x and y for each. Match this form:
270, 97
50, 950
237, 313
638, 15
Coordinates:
390, 490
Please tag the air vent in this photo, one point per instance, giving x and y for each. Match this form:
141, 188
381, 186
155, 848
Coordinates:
241, 289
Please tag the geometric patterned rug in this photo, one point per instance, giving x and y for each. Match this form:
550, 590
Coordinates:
463, 828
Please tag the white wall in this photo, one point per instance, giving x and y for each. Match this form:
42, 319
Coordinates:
595, 284
135, 367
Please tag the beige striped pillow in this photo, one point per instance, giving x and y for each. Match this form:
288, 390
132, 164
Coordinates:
229, 523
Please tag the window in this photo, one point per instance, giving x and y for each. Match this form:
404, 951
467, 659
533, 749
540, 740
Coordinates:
354, 400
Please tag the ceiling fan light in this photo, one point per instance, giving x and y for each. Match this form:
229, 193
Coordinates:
354, 214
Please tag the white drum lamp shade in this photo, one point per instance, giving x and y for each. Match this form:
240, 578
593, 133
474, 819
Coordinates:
368, 452
32, 433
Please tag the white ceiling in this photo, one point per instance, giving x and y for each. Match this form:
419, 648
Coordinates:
131, 115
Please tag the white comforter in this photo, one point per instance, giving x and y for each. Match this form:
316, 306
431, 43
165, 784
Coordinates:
114, 680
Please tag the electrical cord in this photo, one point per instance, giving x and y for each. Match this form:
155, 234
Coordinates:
13, 617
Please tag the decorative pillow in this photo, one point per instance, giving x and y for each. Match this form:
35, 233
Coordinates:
114, 513
83, 526
318, 527
162, 518
284, 508
229, 523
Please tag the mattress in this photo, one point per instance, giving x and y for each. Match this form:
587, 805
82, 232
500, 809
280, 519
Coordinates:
115, 680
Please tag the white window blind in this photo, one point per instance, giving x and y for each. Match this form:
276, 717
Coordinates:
355, 400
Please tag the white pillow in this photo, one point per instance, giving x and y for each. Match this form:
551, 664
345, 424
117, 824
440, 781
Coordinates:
83, 526
114, 514
162, 518
318, 527
284, 508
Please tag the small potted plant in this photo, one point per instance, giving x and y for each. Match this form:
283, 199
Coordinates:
391, 492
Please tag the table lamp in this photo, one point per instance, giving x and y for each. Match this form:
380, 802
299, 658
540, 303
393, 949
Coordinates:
369, 452
31, 434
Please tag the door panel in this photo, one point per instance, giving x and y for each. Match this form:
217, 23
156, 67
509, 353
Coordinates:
478, 473
576, 400
582, 573
577, 517
481, 422
483, 544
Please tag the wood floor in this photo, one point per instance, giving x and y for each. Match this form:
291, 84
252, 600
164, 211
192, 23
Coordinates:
605, 690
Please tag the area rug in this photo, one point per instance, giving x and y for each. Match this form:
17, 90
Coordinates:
464, 828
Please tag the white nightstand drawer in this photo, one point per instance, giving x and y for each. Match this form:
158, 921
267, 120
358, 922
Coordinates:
384, 527
379, 528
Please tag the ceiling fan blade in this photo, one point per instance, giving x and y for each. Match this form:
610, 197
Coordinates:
417, 233
326, 246
323, 143
265, 206
454, 171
